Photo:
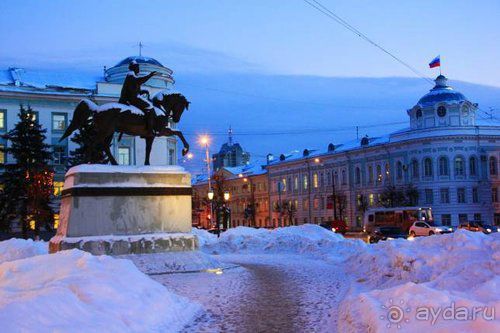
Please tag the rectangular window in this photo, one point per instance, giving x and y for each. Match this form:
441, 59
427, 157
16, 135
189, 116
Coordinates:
296, 183
445, 195
124, 155
305, 182
305, 204
59, 121
371, 199
477, 217
59, 154
446, 219
315, 180
461, 195
3, 124
316, 203
462, 218
370, 174
429, 196
171, 157
475, 195
494, 194
2, 154
58, 187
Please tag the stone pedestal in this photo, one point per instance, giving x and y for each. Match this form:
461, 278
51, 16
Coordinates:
121, 210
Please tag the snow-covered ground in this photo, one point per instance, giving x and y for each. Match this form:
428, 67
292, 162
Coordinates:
73, 291
302, 278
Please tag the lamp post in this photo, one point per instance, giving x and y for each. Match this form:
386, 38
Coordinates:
204, 141
226, 199
334, 195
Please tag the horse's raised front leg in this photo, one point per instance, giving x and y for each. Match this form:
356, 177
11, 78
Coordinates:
179, 134
149, 145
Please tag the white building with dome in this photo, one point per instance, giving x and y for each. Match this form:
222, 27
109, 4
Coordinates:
54, 95
446, 153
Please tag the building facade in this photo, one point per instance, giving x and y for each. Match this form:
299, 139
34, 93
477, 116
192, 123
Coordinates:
446, 159
446, 156
54, 95
249, 197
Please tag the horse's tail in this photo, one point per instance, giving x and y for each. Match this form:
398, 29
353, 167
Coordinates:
83, 112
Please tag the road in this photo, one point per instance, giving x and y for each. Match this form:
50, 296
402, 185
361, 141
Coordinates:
268, 293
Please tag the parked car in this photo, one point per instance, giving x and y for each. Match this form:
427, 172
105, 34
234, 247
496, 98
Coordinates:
386, 233
427, 229
489, 229
337, 226
477, 226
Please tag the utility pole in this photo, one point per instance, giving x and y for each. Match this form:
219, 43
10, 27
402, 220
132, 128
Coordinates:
334, 196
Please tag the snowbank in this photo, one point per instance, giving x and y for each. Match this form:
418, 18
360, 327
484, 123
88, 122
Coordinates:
15, 248
73, 291
458, 270
305, 239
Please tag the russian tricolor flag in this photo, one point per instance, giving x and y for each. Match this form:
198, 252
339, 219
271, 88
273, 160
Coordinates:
436, 62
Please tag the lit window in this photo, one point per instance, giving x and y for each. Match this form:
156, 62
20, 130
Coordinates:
296, 183
379, 174
58, 122
56, 221
315, 180
124, 155
305, 182
2, 154
58, 187
283, 182
2, 119
371, 199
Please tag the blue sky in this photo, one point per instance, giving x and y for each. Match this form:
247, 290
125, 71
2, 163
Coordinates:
270, 36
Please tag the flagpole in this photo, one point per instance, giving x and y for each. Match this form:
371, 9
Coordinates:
440, 65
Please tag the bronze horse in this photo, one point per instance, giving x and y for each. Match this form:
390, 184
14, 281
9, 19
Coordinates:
113, 118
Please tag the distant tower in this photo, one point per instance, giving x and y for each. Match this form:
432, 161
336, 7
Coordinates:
230, 136
231, 154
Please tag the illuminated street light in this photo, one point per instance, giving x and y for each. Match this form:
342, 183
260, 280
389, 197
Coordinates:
210, 194
204, 140
316, 160
226, 196
189, 156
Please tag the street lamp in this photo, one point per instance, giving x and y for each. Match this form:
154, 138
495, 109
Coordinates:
204, 141
226, 196
210, 194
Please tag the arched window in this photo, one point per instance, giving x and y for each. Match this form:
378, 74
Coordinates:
357, 176
370, 174
443, 166
379, 174
399, 170
493, 166
428, 167
344, 178
472, 166
459, 166
414, 169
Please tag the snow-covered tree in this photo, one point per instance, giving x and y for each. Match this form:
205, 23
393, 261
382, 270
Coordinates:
27, 181
88, 151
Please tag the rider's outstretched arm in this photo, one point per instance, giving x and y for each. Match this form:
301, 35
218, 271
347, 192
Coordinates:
145, 78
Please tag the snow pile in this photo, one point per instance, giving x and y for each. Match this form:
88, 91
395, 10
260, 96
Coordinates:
447, 275
306, 239
15, 248
73, 291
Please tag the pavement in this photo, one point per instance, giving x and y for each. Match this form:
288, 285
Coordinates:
267, 293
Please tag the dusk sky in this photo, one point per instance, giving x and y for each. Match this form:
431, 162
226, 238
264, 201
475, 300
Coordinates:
269, 36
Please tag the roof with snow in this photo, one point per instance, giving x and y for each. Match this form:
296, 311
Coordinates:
139, 60
15, 78
441, 93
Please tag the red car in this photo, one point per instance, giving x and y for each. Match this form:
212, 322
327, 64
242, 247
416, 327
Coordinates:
337, 226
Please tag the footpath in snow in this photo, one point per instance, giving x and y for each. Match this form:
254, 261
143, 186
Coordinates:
303, 278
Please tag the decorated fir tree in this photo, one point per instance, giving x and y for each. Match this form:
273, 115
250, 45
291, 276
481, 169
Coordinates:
88, 151
27, 180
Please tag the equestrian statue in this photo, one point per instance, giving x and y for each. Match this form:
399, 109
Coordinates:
135, 114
